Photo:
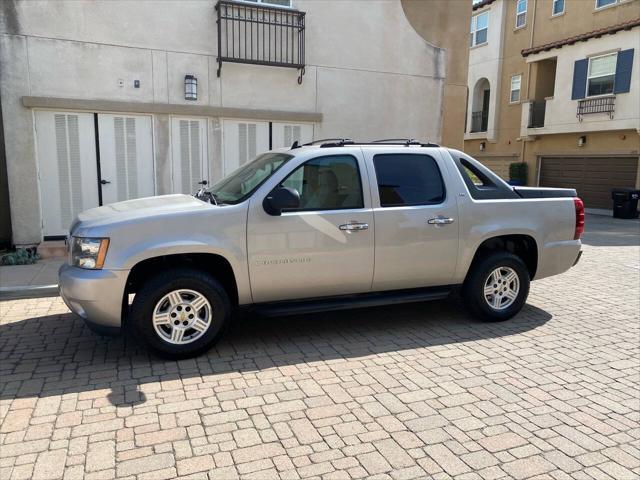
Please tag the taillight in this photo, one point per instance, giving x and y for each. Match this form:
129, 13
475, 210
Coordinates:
579, 218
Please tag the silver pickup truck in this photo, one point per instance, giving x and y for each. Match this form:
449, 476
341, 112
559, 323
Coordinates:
324, 226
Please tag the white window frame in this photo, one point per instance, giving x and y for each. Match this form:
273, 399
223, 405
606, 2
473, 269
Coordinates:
526, 7
474, 30
589, 76
266, 3
519, 89
614, 3
553, 8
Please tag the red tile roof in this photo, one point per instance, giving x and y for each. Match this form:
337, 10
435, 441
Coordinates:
582, 37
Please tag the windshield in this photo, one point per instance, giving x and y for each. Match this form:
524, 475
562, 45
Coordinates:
244, 181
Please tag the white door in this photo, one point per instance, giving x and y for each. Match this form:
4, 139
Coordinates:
67, 168
284, 134
243, 140
189, 154
126, 157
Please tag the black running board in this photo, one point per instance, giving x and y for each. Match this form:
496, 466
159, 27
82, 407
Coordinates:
345, 302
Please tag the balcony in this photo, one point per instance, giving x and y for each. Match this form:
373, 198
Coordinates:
589, 106
260, 35
479, 121
537, 110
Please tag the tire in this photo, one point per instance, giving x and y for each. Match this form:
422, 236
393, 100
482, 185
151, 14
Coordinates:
504, 301
169, 296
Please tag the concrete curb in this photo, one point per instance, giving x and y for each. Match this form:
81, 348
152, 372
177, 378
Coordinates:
22, 292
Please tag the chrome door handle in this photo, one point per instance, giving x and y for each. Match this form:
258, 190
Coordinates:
354, 226
440, 220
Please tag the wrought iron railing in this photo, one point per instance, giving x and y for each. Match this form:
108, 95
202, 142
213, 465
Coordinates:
536, 113
260, 35
596, 105
479, 121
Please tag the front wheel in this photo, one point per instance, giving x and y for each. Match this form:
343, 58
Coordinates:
497, 287
180, 313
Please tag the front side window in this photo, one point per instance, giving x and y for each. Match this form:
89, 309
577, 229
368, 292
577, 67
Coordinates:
327, 183
558, 7
605, 3
408, 179
479, 29
521, 13
601, 75
243, 182
514, 95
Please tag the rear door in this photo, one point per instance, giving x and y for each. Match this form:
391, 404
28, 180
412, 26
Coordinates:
416, 219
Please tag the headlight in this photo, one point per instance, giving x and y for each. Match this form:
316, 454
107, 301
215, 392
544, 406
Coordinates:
89, 252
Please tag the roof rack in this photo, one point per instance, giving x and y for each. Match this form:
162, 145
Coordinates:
341, 142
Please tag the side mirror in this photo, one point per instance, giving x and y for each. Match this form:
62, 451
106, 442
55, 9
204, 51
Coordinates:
281, 198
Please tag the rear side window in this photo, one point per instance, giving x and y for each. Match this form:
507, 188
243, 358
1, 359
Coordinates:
408, 179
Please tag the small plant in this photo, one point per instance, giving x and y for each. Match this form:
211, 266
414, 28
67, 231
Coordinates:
22, 256
518, 173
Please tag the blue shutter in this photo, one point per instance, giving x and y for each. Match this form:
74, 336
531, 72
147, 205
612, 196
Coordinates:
579, 79
623, 71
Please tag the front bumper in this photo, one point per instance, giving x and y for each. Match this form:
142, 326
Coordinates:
95, 295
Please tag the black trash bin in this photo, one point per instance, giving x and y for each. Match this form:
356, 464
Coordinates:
625, 202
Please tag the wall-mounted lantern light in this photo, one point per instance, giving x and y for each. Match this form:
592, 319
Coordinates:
190, 87
482, 146
582, 140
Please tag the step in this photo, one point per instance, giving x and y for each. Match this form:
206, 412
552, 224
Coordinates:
52, 249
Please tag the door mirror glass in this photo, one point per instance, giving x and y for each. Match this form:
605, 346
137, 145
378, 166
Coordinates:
282, 198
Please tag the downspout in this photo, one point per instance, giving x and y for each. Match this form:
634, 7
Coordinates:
533, 28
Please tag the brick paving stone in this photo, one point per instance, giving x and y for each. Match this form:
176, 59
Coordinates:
552, 393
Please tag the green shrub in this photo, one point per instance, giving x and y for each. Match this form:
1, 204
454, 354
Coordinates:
518, 172
23, 256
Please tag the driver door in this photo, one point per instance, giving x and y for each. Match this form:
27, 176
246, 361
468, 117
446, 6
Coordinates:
323, 248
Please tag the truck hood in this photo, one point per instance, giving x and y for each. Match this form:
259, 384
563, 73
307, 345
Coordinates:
140, 208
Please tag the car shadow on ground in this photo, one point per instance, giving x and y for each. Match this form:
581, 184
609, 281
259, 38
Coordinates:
57, 354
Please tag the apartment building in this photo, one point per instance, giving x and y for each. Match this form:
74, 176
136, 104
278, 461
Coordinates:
556, 84
105, 101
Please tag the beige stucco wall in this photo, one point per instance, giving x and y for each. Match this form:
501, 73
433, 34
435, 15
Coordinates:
445, 23
369, 73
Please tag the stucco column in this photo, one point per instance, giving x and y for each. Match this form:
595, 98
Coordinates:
22, 170
445, 24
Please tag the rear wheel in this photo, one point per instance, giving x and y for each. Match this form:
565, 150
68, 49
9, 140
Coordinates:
497, 287
180, 313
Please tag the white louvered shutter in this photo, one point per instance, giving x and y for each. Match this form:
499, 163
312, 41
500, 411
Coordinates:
126, 157
67, 169
243, 141
189, 154
284, 134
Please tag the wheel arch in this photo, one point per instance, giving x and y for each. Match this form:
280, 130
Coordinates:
522, 245
214, 264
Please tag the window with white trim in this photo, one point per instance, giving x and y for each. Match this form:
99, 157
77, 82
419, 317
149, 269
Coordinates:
479, 29
601, 74
557, 8
514, 93
521, 13
277, 3
605, 3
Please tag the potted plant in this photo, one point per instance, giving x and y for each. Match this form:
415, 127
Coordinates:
518, 173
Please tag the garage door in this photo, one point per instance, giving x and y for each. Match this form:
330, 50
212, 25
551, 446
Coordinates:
592, 177
498, 165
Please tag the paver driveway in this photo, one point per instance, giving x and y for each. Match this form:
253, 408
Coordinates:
398, 392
